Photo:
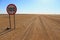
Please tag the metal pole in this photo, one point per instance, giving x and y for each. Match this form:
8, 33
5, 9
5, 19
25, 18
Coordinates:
10, 21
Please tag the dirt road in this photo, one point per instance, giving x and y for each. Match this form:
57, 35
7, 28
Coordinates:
31, 27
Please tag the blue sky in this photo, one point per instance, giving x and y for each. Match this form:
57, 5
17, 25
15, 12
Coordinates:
32, 6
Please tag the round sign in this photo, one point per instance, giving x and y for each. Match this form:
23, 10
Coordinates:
11, 9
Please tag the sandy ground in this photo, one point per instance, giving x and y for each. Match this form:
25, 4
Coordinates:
31, 27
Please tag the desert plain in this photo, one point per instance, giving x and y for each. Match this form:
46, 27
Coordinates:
31, 27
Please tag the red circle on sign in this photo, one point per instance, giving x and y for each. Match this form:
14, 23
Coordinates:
11, 9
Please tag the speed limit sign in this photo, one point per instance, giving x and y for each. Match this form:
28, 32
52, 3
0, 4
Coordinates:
11, 9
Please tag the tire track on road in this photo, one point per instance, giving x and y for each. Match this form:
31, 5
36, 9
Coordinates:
27, 30
52, 33
42, 25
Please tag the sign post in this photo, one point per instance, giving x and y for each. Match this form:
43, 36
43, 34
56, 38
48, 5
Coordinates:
11, 10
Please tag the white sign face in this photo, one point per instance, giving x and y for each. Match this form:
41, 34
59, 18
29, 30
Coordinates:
11, 9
